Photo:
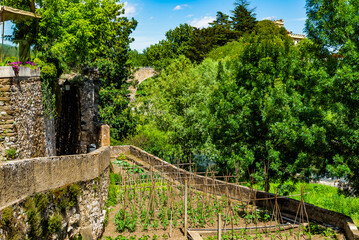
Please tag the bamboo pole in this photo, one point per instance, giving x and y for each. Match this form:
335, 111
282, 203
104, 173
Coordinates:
185, 208
2, 39
219, 226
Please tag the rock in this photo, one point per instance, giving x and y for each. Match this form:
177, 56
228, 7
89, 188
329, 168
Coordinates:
86, 232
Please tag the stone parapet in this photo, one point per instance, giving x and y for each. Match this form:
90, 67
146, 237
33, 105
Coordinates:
7, 71
22, 178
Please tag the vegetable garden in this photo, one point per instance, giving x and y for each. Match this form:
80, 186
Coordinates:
152, 205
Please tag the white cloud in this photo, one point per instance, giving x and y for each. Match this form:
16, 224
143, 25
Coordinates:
269, 18
180, 7
189, 16
301, 19
130, 9
202, 22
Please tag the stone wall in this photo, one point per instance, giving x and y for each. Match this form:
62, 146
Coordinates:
22, 178
287, 205
29, 180
23, 125
83, 216
89, 110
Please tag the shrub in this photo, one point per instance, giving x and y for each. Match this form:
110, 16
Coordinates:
55, 223
34, 218
7, 216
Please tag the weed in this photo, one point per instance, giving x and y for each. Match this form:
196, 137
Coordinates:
34, 218
55, 223
10, 153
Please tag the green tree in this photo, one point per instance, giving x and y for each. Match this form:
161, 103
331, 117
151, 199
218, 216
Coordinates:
175, 105
159, 55
221, 20
254, 125
179, 38
136, 59
332, 26
243, 19
80, 32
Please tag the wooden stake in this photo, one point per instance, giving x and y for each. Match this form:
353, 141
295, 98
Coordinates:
171, 206
185, 208
219, 226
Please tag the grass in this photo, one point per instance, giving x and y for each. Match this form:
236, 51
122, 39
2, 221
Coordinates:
326, 197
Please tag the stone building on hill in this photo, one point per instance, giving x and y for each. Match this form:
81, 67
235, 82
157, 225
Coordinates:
296, 37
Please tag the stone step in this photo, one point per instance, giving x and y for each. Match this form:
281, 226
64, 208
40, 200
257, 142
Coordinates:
11, 134
8, 132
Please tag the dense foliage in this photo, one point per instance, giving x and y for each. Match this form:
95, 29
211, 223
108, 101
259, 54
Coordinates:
76, 34
261, 107
195, 43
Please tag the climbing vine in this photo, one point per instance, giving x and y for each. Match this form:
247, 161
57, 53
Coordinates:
50, 88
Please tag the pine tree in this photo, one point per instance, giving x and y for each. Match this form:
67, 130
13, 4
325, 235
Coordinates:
243, 19
221, 20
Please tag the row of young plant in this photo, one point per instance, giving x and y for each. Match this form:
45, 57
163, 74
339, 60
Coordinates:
149, 202
143, 237
301, 233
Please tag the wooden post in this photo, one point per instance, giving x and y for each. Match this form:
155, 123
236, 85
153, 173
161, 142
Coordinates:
219, 226
185, 208
2, 39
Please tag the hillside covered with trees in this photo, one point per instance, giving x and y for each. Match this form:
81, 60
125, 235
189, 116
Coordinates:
242, 95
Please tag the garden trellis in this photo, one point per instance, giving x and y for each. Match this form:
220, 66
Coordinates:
156, 198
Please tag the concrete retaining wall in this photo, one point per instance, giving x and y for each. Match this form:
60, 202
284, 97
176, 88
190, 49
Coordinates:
287, 205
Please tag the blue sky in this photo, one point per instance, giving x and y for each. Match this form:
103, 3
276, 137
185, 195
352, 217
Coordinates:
156, 17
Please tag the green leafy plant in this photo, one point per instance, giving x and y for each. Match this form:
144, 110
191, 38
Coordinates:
55, 223
10, 153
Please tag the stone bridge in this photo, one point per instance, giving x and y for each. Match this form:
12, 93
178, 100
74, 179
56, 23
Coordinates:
140, 75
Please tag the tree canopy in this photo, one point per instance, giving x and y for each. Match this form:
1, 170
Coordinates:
261, 107
196, 43
91, 33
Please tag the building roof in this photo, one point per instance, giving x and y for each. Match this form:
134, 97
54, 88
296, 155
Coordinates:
9, 13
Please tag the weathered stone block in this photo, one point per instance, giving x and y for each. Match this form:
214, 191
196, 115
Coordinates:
5, 89
105, 135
